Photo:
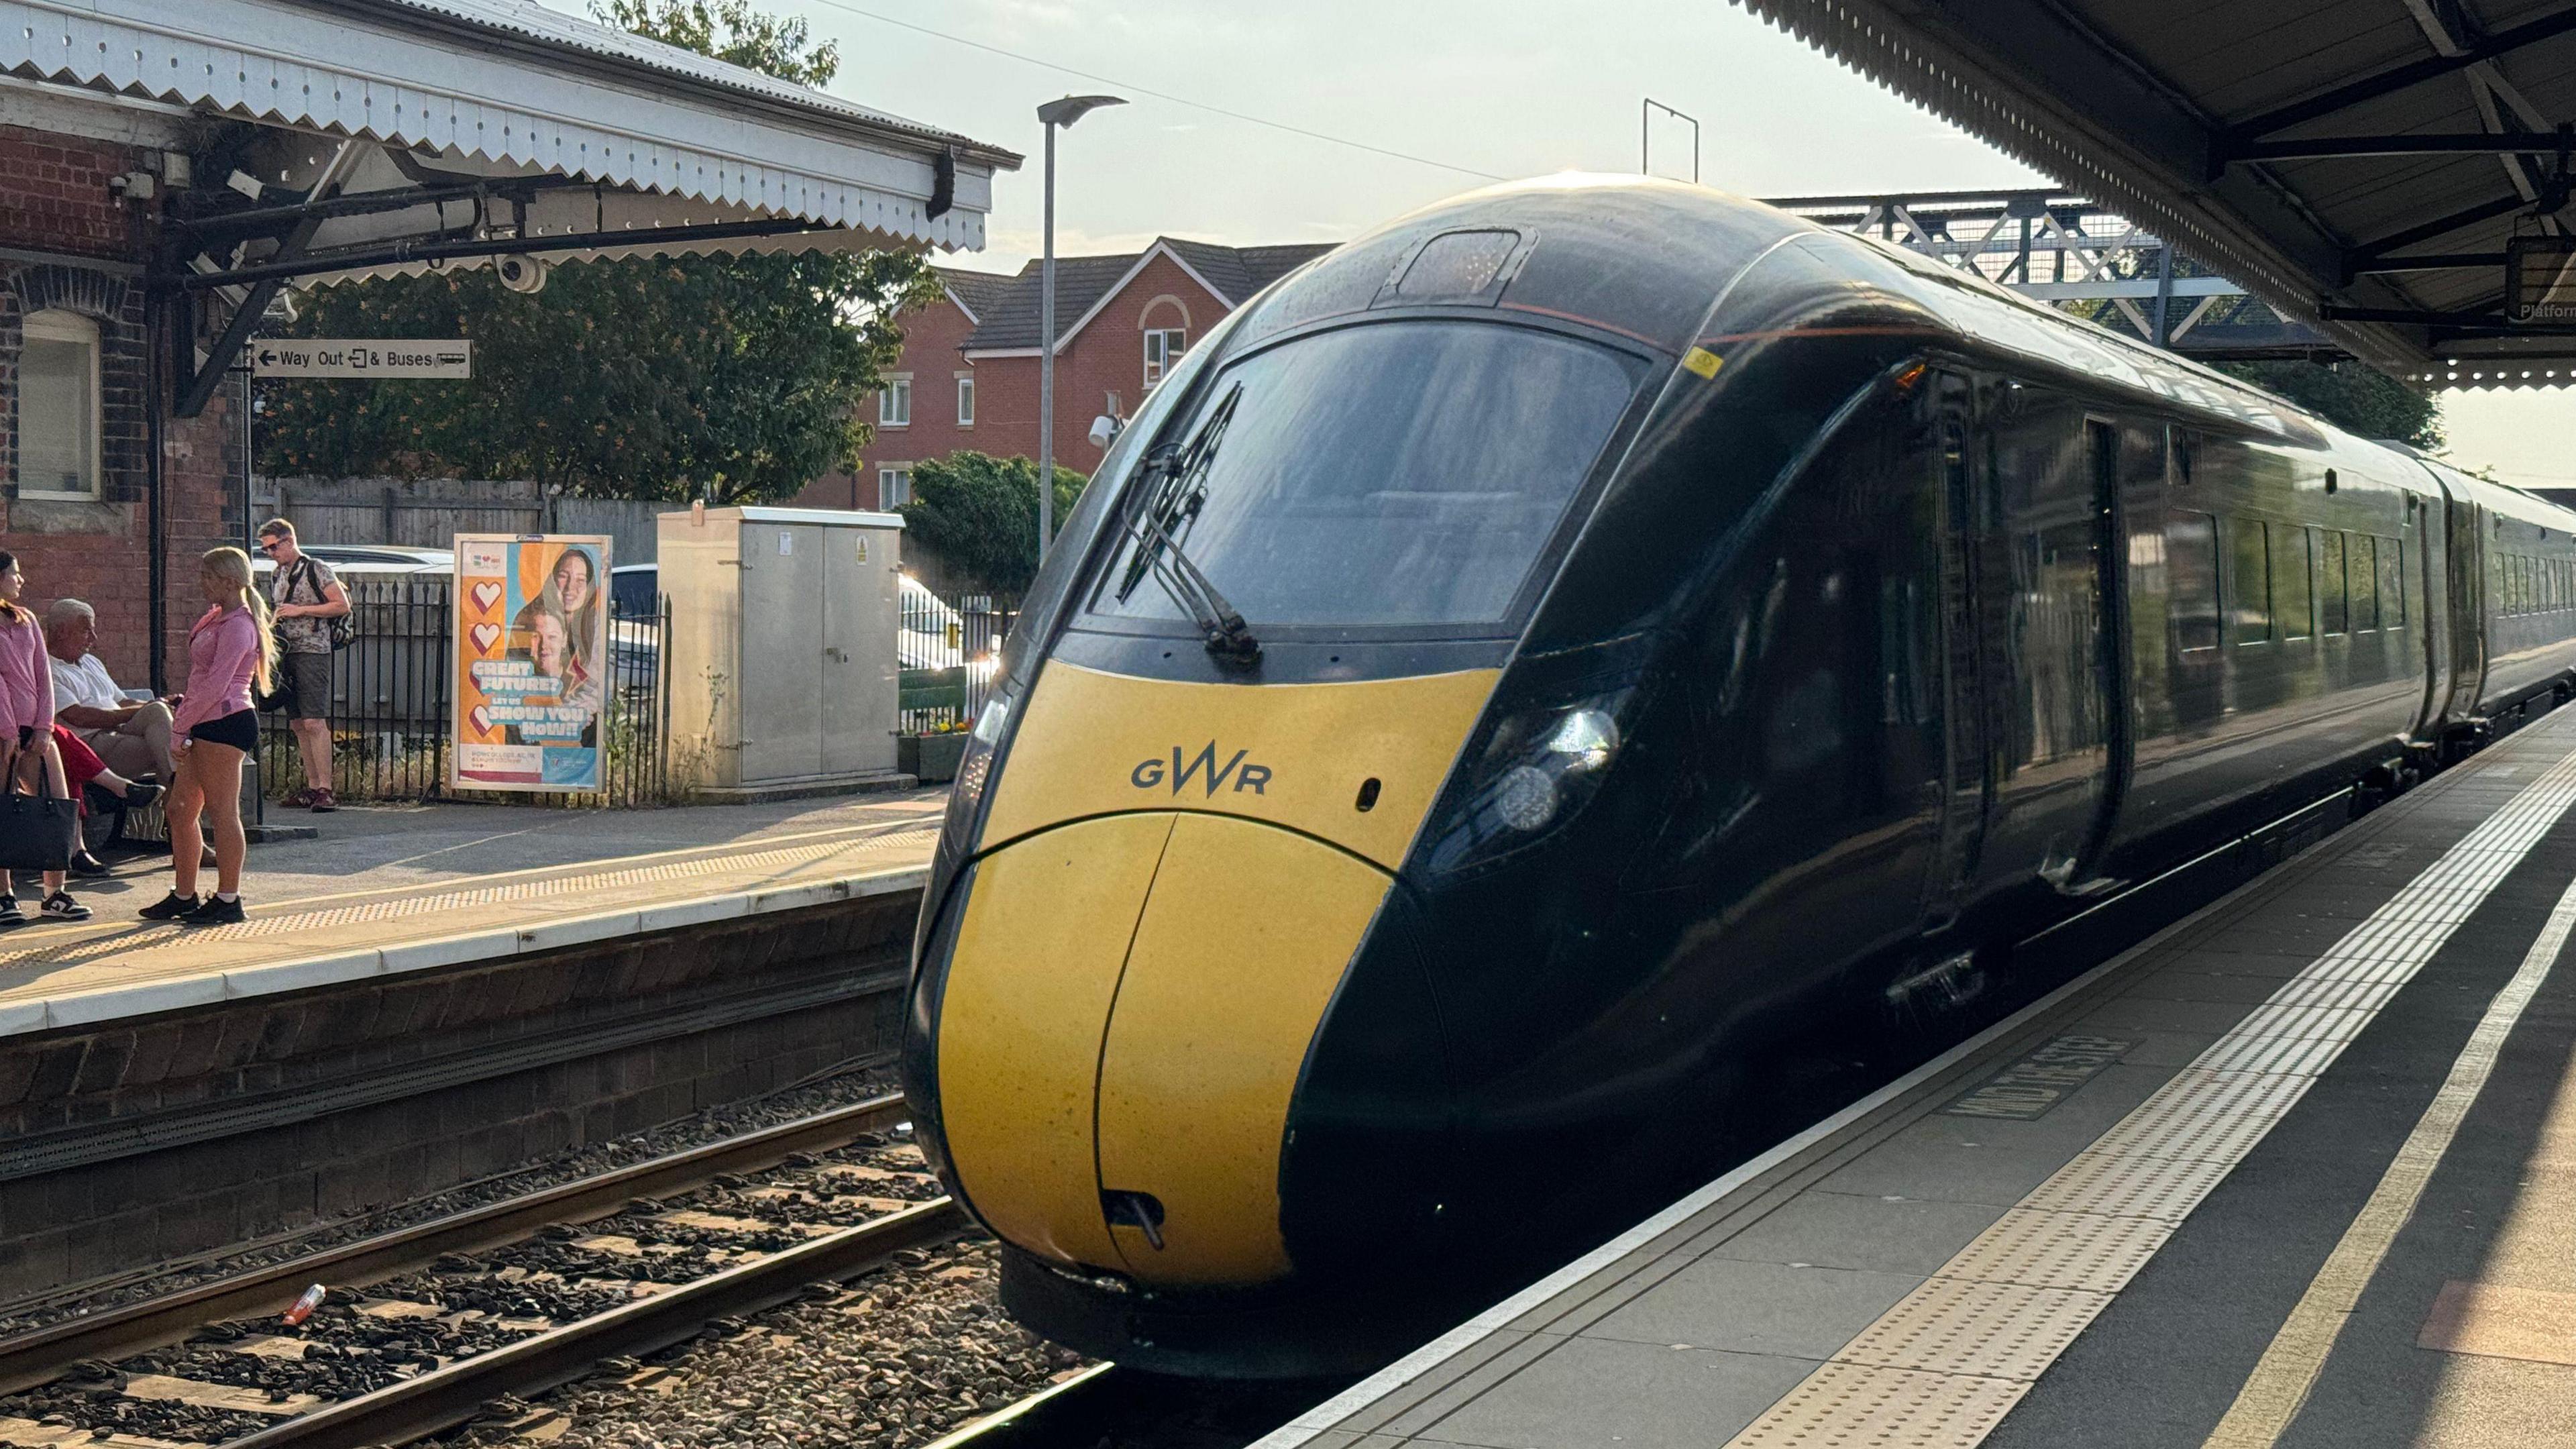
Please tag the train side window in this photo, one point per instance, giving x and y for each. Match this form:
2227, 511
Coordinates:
2330, 587
2292, 604
2249, 581
2191, 567
2392, 581
2365, 583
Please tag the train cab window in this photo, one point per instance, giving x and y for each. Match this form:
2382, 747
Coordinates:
2392, 581
1357, 478
2364, 574
2249, 581
2331, 615
2293, 605
2191, 563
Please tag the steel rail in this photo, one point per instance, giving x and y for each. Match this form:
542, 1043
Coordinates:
455, 1392
39, 1355
1053, 1412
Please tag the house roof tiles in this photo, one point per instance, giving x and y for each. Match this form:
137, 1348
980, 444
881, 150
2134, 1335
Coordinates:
1006, 308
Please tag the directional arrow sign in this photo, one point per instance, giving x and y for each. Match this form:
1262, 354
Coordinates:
361, 357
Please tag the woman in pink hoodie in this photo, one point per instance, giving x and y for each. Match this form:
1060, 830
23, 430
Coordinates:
229, 650
28, 760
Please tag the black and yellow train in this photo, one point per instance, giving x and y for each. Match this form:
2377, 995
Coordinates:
1547, 647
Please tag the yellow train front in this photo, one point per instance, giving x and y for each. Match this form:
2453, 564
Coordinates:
1522, 669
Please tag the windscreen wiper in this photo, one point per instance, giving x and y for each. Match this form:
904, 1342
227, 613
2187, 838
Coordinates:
1175, 490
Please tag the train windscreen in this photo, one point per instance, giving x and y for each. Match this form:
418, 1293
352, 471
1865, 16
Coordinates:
1392, 474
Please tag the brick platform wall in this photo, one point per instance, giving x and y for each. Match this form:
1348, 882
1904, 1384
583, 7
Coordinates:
73, 1088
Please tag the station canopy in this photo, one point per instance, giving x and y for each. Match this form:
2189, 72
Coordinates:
2375, 166
358, 138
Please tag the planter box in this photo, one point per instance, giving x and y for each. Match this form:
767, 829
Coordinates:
931, 759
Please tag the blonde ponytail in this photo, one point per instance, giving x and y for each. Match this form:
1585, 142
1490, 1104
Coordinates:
233, 567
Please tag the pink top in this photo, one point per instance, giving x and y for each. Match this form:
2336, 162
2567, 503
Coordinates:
223, 654
26, 680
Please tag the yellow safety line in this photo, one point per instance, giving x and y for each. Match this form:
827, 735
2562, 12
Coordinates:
2281, 1382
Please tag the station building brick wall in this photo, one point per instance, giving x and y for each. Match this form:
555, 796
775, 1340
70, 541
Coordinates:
77, 246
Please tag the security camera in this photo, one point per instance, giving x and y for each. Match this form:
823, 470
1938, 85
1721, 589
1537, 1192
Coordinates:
521, 273
1105, 430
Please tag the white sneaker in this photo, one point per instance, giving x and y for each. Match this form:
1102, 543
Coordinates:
61, 907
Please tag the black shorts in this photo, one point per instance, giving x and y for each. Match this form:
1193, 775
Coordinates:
305, 680
240, 729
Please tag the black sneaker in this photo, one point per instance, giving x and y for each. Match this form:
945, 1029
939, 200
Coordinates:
61, 907
140, 794
86, 864
170, 908
216, 911
9, 913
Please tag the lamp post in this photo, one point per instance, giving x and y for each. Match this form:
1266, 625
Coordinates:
1052, 115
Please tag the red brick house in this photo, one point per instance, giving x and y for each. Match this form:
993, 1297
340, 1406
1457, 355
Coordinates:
968, 377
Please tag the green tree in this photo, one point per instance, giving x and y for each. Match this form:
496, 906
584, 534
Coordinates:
2352, 396
737, 379
980, 515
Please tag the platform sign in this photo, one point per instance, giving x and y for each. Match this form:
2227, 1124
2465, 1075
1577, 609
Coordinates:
532, 662
413, 359
2540, 279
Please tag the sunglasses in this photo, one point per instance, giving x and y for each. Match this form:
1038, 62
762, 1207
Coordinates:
269, 545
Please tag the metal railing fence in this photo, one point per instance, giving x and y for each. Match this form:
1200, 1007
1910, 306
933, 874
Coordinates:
392, 690
949, 656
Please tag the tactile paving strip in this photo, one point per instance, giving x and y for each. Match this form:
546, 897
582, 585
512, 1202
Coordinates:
2205, 1116
1852, 1405
1960, 1326
2094, 1252
2136, 1187
907, 841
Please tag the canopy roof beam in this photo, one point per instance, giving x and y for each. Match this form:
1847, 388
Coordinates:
2507, 143
2398, 78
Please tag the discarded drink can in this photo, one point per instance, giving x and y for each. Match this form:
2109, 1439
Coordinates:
305, 1305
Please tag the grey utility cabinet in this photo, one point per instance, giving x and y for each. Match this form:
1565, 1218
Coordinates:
783, 668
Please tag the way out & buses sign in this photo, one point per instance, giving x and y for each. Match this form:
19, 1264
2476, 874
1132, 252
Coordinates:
379, 357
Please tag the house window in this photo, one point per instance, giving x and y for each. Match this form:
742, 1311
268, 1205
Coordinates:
894, 486
58, 407
1163, 347
965, 402
894, 403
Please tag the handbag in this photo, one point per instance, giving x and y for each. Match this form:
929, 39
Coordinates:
37, 833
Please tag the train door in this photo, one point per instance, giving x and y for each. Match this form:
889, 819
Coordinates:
1967, 769
2046, 563
2432, 621
2465, 530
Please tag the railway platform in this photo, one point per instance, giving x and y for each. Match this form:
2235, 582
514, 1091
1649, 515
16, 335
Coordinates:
2299, 1170
387, 1025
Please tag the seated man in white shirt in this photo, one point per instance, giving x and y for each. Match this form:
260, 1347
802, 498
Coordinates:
133, 739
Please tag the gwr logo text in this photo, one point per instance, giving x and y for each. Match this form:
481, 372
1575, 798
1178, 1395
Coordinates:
1203, 768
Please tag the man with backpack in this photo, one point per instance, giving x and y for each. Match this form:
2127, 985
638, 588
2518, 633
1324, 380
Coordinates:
307, 601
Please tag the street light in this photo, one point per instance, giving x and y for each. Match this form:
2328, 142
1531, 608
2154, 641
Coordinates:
1052, 115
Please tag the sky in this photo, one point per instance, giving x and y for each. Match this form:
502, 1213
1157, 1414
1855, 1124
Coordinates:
1508, 88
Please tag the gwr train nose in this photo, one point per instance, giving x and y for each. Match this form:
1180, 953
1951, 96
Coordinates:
1127, 1008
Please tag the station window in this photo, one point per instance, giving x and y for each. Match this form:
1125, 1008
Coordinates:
58, 421
2392, 581
2292, 602
1163, 347
2191, 561
2332, 616
2249, 581
894, 403
965, 402
894, 487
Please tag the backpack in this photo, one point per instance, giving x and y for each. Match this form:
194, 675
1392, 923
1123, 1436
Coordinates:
343, 628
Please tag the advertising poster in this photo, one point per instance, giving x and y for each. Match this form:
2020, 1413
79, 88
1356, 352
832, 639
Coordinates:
532, 660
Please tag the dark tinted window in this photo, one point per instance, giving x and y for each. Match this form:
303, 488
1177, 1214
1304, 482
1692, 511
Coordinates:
2191, 562
2249, 581
2290, 598
2363, 571
2332, 618
1387, 474
2392, 581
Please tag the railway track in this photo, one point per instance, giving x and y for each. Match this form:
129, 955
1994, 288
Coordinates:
488, 1305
